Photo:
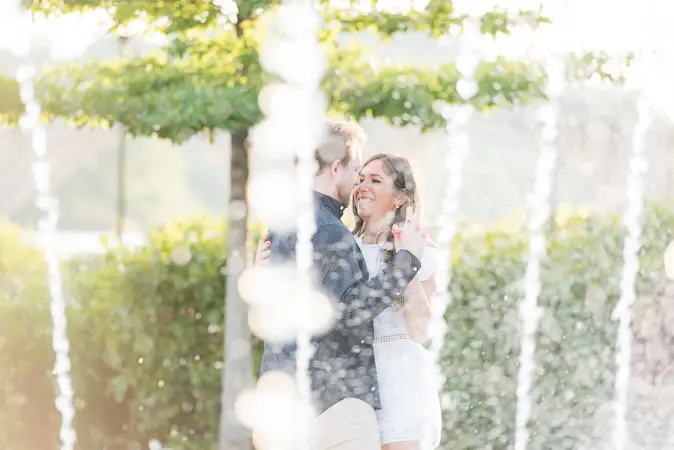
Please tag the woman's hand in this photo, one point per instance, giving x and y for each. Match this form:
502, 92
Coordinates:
263, 252
411, 232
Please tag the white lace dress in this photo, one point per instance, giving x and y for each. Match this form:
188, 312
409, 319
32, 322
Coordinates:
410, 409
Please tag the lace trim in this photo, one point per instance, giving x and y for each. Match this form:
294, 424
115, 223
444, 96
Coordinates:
391, 338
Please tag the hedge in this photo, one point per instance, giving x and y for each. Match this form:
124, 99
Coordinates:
26, 355
146, 336
576, 338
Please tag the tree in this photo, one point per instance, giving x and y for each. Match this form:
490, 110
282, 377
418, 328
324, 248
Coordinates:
11, 106
121, 164
208, 75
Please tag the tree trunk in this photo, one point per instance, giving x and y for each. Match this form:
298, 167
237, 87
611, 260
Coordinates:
122, 42
121, 185
237, 370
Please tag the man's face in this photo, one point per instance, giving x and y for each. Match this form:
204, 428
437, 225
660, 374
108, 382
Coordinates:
347, 178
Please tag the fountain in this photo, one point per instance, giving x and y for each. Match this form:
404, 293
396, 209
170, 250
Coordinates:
638, 166
294, 109
458, 149
302, 19
47, 203
540, 212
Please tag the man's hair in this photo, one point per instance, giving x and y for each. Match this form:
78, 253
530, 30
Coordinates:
341, 141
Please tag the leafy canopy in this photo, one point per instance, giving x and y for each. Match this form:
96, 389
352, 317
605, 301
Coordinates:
177, 16
11, 106
208, 75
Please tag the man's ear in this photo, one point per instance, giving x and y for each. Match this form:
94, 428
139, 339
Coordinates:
335, 166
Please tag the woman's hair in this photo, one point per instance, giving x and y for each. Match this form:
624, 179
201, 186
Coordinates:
399, 169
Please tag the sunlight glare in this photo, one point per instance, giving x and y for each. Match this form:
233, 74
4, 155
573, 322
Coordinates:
271, 193
669, 261
277, 321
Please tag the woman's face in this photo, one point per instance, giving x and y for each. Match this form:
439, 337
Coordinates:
375, 195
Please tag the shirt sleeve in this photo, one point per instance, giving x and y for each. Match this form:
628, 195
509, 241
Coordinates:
282, 247
340, 276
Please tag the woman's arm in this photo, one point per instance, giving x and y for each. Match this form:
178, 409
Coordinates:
417, 308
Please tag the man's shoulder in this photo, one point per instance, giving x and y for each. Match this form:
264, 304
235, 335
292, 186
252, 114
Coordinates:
332, 230
329, 231
323, 217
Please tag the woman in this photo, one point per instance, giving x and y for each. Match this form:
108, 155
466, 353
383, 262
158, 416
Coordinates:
410, 417
410, 414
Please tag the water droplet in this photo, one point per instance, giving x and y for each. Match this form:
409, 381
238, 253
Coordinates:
181, 255
669, 261
187, 407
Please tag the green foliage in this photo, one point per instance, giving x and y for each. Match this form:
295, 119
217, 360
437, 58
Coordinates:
584, 66
177, 15
170, 17
159, 97
208, 76
146, 342
405, 94
438, 18
155, 316
146, 335
576, 338
26, 357
11, 106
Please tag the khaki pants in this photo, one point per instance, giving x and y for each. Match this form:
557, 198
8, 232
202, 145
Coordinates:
351, 424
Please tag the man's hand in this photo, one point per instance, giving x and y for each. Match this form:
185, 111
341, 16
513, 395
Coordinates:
263, 251
410, 236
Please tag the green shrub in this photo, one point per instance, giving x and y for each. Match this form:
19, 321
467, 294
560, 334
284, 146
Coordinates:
148, 329
11, 106
145, 330
576, 338
146, 336
26, 355
152, 328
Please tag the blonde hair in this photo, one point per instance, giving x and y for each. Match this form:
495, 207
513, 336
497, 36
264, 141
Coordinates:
342, 142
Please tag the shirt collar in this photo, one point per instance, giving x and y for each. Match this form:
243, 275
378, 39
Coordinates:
332, 205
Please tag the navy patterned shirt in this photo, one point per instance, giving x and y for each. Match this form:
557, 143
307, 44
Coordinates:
343, 364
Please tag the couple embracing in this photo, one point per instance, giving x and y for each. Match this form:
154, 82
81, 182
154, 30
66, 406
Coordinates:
370, 374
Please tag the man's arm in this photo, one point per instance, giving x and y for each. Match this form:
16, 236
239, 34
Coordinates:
339, 275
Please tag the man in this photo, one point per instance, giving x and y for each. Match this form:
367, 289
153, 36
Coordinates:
342, 371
